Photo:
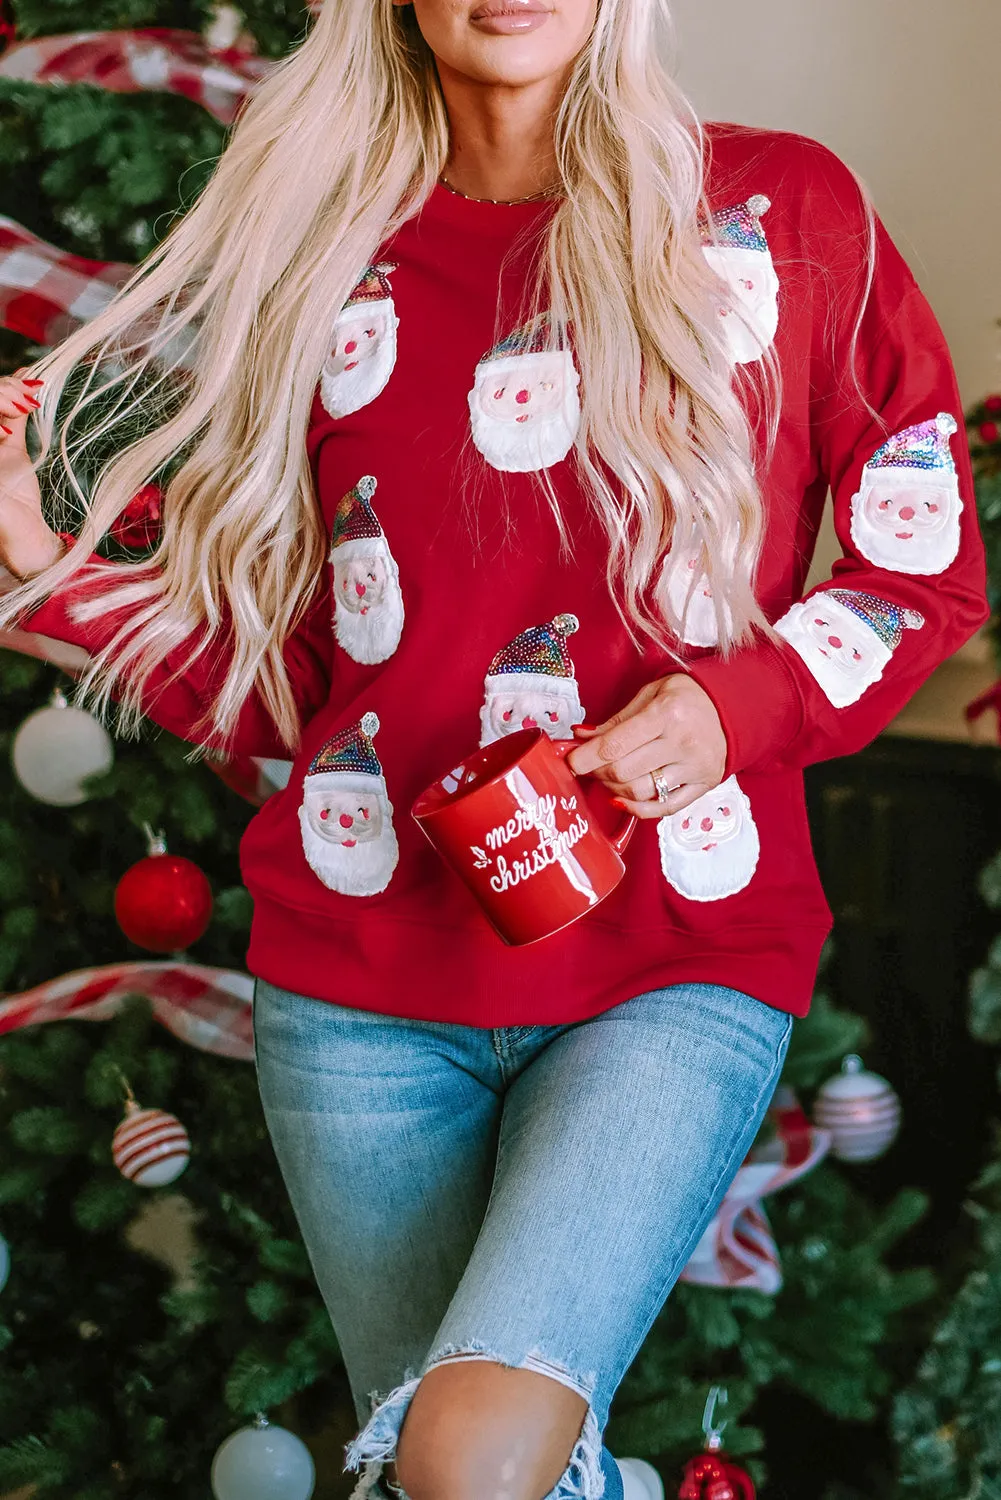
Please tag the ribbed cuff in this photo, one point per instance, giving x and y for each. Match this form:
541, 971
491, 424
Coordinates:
758, 703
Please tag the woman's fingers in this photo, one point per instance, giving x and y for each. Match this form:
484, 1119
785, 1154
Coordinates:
17, 402
641, 788
605, 749
679, 799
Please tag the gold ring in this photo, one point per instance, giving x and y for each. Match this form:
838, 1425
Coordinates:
660, 785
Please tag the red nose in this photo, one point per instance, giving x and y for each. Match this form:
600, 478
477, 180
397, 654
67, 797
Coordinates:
521, 397
832, 640
706, 825
906, 513
529, 724
345, 820
360, 590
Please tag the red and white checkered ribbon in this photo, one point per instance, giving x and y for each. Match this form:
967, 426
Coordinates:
738, 1248
46, 293
207, 1008
151, 58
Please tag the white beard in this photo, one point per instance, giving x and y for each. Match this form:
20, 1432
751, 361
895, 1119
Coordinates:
364, 870
751, 320
710, 875
844, 681
567, 704
923, 554
347, 391
373, 637
521, 448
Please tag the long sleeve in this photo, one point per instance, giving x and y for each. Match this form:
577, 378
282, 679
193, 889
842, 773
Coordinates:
176, 698
910, 586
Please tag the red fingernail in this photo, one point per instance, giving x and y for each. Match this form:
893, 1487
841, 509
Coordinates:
25, 410
26, 381
7, 430
618, 802
32, 400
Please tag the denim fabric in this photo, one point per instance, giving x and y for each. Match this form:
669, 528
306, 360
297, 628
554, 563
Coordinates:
526, 1194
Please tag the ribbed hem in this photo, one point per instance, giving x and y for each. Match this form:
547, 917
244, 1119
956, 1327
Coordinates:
756, 697
470, 978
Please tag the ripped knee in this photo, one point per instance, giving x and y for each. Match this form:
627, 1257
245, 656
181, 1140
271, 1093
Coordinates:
481, 1435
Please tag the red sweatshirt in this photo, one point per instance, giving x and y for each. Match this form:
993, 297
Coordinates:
450, 615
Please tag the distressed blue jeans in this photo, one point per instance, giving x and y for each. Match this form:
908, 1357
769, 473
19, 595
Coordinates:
525, 1194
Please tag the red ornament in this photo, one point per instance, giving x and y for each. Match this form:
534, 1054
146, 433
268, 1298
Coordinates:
993, 404
164, 902
8, 31
989, 432
140, 523
711, 1476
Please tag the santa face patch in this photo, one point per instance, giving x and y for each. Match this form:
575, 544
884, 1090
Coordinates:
363, 353
524, 409
737, 250
531, 685
905, 516
691, 598
846, 638
368, 600
710, 850
346, 816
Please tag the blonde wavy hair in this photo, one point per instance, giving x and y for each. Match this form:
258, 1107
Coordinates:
214, 346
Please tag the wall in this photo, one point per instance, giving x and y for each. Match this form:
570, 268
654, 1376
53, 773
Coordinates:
908, 92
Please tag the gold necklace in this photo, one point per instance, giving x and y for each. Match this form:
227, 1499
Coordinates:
506, 202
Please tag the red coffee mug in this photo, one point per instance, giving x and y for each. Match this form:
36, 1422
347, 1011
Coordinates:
513, 824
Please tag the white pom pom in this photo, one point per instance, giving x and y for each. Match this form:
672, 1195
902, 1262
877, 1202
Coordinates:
370, 724
758, 204
366, 486
566, 624
913, 619
946, 423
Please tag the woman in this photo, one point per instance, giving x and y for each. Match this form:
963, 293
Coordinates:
475, 312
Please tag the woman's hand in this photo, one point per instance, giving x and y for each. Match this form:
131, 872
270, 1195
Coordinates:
670, 726
27, 544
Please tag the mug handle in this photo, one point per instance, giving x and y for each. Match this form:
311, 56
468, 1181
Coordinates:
619, 840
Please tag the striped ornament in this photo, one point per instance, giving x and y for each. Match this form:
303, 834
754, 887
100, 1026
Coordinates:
860, 1109
150, 1147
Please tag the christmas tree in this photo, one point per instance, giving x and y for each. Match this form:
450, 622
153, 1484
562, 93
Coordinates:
118, 1379
948, 1421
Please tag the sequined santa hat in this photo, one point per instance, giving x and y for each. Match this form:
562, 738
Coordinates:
537, 660
737, 227
373, 284
533, 337
356, 531
889, 621
918, 450
349, 760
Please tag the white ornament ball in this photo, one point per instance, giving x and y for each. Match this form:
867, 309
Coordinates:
4, 1262
263, 1463
56, 748
860, 1109
150, 1147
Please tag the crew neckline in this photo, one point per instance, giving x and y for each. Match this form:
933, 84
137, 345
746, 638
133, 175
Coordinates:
479, 214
